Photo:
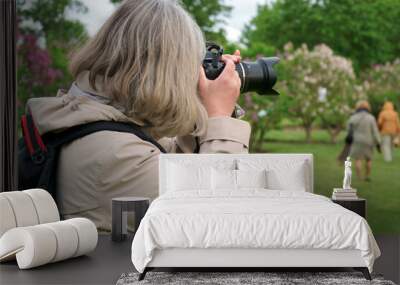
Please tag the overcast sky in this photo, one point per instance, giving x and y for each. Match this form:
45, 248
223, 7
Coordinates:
242, 12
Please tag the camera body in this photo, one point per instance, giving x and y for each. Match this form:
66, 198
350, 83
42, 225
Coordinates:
258, 76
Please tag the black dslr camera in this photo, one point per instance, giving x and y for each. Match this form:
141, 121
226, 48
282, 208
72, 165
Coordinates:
258, 76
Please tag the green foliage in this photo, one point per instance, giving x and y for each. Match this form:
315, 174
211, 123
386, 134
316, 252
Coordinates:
51, 14
207, 14
259, 50
230, 48
366, 31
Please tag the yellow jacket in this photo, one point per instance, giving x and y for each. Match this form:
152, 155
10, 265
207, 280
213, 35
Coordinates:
388, 120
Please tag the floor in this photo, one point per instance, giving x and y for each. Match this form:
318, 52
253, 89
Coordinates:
389, 262
102, 266
110, 260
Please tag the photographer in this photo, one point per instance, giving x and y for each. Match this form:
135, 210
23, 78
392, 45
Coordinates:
143, 66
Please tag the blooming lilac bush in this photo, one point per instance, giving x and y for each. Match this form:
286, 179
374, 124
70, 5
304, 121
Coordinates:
381, 83
320, 86
34, 64
37, 60
45, 36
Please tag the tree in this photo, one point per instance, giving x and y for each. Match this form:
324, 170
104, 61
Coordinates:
45, 37
320, 85
366, 31
263, 113
208, 14
382, 83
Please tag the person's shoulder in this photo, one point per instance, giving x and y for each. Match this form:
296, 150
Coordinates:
124, 141
354, 116
370, 118
109, 145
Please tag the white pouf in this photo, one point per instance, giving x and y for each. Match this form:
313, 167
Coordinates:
7, 218
32, 233
26, 208
46, 208
23, 208
37, 245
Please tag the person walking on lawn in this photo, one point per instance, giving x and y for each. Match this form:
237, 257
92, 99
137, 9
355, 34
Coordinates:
365, 137
389, 126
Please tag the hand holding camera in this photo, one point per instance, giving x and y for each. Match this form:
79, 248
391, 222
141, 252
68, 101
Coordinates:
219, 96
225, 76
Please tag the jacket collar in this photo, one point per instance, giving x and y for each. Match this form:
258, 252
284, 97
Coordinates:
82, 81
82, 87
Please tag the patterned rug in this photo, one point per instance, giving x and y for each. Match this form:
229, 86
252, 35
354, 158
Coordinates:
244, 278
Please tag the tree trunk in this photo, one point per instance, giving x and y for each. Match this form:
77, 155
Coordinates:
308, 130
334, 134
253, 137
260, 139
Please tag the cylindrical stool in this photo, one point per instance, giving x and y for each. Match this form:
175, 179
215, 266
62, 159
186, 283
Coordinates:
120, 208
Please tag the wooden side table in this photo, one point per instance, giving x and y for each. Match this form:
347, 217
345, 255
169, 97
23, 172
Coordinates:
358, 206
120, 208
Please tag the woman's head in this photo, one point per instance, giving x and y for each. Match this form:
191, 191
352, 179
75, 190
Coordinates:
148, 56
363, 105
388, 106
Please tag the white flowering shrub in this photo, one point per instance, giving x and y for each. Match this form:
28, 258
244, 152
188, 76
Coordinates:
321, 86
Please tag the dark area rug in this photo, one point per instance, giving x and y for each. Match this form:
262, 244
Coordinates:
244, 278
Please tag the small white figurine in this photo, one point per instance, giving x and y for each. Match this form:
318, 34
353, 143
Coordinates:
347, 174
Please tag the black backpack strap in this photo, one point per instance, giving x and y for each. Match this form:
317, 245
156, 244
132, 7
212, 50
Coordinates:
76, 132
197, 145
38, 155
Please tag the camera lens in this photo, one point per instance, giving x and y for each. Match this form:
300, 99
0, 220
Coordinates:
258, 76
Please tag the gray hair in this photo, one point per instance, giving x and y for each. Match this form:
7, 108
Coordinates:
148, 55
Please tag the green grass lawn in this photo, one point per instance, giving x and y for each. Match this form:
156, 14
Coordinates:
382, 193
299, 136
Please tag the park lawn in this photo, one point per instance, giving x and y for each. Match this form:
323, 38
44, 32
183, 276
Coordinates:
382, 193
298, 135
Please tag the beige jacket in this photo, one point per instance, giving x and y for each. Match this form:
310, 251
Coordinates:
98, 167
